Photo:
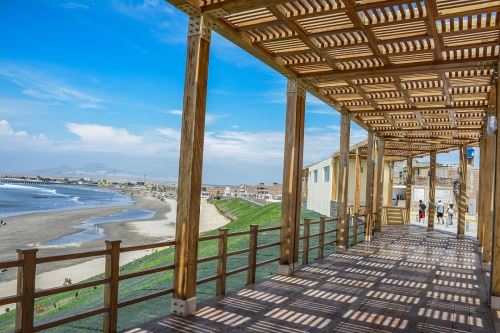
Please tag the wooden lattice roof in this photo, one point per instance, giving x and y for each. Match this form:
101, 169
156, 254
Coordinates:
419, 73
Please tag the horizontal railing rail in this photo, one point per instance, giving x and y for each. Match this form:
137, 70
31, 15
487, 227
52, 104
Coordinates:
28, 261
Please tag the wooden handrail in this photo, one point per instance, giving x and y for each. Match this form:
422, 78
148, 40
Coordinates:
27, 262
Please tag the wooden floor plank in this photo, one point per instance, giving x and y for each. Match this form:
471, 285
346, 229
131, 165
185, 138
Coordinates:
407, 280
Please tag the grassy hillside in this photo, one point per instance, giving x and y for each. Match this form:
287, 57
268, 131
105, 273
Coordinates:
50, 308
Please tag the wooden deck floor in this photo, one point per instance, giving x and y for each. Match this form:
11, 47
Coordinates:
408, 280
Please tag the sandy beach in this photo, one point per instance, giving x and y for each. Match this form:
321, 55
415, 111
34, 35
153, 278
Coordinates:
35, 229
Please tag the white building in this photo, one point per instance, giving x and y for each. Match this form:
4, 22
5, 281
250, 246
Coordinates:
322, 183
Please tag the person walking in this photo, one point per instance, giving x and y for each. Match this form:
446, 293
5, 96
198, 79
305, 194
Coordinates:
440, 212
450, 212
421, 211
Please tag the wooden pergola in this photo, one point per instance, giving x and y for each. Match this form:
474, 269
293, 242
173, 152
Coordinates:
419, 76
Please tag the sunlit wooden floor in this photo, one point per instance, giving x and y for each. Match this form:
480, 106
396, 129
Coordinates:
408, 280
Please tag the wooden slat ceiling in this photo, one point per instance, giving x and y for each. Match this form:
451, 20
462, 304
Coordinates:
418, 73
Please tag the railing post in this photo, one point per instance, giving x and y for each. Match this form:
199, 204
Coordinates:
252, 253
222, 262
321, 240
111, 272
25, 310
355, 229
305, 243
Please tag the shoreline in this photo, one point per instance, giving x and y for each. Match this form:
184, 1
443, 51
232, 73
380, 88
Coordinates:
41, 227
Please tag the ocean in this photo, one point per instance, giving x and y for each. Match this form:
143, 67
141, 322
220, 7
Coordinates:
20, 199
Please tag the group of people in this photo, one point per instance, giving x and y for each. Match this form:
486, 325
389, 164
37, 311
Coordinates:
440, 211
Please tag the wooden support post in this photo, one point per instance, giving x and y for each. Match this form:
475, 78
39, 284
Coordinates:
495, 262
305, 241
111, 272
292, 171
488, 180
369, 188
379, 193
432, 191
321, 240
252, 253
343, 184
462, 206
220, 288
487, 200
355, 228
357, 182
480, 209
409, 180
390, 185
25, 310
335, 178
190, 166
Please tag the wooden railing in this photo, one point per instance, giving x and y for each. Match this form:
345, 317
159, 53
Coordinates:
28, 261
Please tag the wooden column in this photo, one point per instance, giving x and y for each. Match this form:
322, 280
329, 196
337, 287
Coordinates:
495, 262
486, 187
432, 191
409, 180
462, 205
25, 309
390, 185
343, 184
190, 166
335, 178
357, 184
369, 188
379, 193
292, 171
481, 204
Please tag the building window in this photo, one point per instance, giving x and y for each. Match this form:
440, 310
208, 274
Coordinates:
315, 176
326, 170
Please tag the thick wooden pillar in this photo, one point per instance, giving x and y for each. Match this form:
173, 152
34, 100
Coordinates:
432, 191
390, 185
462, 205
369, 187
486, 184
480, 229
357, 182
379, 178
409, 180
343, 184
292, 173
190, 166
495, 262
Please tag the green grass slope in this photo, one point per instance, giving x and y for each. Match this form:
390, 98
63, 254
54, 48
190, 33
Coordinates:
246, 213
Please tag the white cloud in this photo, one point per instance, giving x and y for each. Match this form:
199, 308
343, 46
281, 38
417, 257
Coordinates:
43, 86
97, 136
175, 112
75, 5
6, 130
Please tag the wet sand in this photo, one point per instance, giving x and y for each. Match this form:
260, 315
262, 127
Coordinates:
35, 229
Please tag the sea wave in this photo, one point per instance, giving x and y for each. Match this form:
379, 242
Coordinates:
32, 188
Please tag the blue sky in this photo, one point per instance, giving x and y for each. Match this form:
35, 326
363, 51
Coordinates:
102, 82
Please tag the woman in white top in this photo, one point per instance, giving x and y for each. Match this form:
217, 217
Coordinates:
450, 212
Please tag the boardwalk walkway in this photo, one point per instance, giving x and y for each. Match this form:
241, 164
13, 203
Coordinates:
408, 280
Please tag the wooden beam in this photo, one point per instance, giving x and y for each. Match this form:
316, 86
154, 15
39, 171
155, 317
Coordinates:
190, 166
409, 181
432, 191
343, 182
430, 20
455, 65
462, 205
357, 184
379, 178
239, 6
292, 174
